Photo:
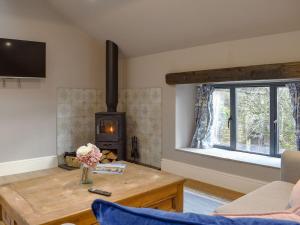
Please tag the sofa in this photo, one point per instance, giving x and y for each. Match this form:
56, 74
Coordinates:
109, 213
272, 197
253, 208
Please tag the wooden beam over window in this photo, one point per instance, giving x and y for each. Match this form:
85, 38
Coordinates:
280, 71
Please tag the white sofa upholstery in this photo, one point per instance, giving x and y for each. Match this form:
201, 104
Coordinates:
273, 196
290, 166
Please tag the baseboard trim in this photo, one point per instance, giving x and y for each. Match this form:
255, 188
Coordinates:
213, 177
27, 165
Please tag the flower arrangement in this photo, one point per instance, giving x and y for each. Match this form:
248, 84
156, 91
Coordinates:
89, 156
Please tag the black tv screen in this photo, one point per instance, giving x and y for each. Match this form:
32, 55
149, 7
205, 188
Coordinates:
22, 59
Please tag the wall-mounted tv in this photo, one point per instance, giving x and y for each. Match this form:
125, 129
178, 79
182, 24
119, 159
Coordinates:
22, 59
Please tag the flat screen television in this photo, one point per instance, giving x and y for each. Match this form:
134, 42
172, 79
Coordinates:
22, 59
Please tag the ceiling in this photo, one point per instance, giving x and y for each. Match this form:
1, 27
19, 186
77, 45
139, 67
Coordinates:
142, 27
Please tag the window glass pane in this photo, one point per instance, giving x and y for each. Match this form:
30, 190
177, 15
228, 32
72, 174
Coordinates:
253, 119
285, 121
221, 113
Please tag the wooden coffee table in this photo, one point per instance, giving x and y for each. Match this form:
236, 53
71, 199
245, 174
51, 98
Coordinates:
59, 198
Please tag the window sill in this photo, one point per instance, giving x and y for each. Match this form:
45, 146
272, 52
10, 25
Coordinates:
244, 157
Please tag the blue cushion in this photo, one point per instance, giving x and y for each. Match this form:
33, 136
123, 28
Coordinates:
108, 213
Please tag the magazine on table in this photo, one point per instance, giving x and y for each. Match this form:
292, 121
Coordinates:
110, 168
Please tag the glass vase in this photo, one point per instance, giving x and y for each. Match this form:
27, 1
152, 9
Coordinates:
86, 173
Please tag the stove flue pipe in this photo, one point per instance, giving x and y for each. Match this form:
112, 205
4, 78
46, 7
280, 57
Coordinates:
112, 51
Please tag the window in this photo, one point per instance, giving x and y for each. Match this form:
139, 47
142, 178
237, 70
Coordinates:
221, 113
254, 118
285, 121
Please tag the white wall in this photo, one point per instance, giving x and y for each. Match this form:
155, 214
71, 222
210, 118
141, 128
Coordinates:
28, 114
150, 71
185, 115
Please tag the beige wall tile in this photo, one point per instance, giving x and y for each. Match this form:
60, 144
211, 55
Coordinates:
143, 108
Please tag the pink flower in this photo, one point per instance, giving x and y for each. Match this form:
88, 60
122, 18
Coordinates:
89, 155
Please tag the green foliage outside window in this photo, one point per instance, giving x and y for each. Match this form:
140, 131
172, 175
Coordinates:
253, 119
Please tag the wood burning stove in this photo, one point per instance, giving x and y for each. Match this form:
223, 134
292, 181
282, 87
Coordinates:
110, 127
111, 132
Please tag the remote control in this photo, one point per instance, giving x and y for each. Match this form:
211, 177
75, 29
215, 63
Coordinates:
99, 192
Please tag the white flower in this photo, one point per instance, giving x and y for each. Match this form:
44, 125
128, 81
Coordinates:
91, 146
84, 150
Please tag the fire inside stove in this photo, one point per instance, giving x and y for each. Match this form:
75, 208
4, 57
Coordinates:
109, 127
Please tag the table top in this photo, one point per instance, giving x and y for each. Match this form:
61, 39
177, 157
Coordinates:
43, 199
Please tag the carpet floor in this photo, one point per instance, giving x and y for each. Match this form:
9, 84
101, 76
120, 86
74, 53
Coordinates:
201, 203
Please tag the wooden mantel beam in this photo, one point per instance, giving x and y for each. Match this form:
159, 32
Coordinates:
280, 71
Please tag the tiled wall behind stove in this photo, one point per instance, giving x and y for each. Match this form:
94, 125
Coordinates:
76, 110
76, 119
143, 110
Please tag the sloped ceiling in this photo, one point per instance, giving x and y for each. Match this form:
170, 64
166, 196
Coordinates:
143, 27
